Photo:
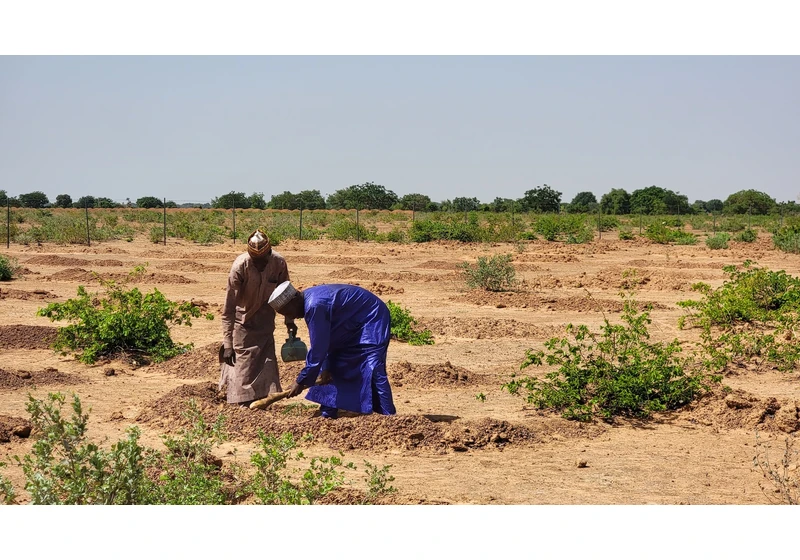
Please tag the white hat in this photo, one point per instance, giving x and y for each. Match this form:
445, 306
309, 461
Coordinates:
281, 295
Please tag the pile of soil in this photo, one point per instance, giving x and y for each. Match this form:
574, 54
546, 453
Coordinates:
210, 255
676, 265
88, 277
422, 375
485, 328
360, 274
380, 289
14, 379
371, 432
58, 260
625, 279
740, 409
191, 266
26, 295
545, 257
26, 337
438, 265
12, 426
317, 259
530, 300
200, 363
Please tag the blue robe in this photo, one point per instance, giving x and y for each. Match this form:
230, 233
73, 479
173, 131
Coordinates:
349, 328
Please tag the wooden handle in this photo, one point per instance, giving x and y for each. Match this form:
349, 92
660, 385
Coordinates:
275, 397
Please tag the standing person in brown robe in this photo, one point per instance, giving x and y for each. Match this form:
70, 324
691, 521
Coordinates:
250, 367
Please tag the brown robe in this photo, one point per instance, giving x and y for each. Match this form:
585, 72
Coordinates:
248, 324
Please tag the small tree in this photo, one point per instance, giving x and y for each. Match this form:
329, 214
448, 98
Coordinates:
149, 202
35, 199
84, 202
257, 201
583, 202
64, 201
542, 199
494, 273
228, 200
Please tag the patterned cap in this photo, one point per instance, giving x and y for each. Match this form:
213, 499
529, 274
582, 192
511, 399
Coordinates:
258, 245
282, 295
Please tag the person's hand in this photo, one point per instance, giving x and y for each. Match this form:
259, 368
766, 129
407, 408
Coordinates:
292, 328
325, 377
295, 390
229, 356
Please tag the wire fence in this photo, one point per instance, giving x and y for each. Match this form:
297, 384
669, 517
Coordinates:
195, 221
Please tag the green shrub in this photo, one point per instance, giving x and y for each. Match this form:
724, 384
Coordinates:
747, 236
658, 232
610, 373
377, 480
66, 468
345, 229
157, 234
494, 273
626, 234
402, 326
718, 241
788, 238
754, 313
270, 484
120, 320
9, 267
584, 235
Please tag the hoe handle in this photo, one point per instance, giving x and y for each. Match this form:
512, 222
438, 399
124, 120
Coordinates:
275, 397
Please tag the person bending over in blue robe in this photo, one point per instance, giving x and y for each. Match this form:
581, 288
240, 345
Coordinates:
349, 328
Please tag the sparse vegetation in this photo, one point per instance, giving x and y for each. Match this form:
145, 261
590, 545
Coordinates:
120, 321
404, 326
614, 372
718, 241
782, 476
9, 267
495, 273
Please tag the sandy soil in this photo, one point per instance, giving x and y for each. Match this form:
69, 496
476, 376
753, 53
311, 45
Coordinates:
445, 445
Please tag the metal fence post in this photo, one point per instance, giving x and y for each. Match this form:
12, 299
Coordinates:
301, 222
88, 239
714, 219
358, 231
234, 219
8, 222
165, 221
599, 229
640, 223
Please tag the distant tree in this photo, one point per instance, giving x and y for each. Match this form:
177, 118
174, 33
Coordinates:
103, 202
228, 200
63, 201
504, 205
698, 206
35, 199
464, 204
616, 202
257, 201
714, 205
171, 204
84, 202
656, 200
446, 205
148, 202
3, 198
283, 201
583, 202
368, 195
414, 201
756, 202
311, 200
541, 199
433, 207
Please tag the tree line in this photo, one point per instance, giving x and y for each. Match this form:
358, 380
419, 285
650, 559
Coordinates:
371, 196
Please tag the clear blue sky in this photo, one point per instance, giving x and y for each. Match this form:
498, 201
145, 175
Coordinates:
191, 128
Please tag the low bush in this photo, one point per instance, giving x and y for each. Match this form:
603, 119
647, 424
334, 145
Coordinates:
614, 372
787, 238
346, 229
754, 314
626, 234
403, 326
9, 267
494, 274
718, 241
658, 232
747, 236
120, 321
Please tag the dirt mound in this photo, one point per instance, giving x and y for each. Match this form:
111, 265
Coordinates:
200, 363
485, 328
320, 259
11, 426
636, 278
58, 260
740, 409
381, 289
530, 300
192, 266
421, 375
88, 277
14, 379
26, 295
438, 265
26, 337
546, 257
351, 272
677, 265
210, 255
372, 432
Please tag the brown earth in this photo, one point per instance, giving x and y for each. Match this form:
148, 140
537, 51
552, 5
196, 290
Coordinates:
13, 427
445, 445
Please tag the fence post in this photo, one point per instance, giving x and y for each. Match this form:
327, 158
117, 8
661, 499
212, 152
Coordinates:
640, 223
781, 218
714, 218
88, 239
165, 221
749, 217
358, 231
234, 219
301, 221
599, 229
413, 209
8, 221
